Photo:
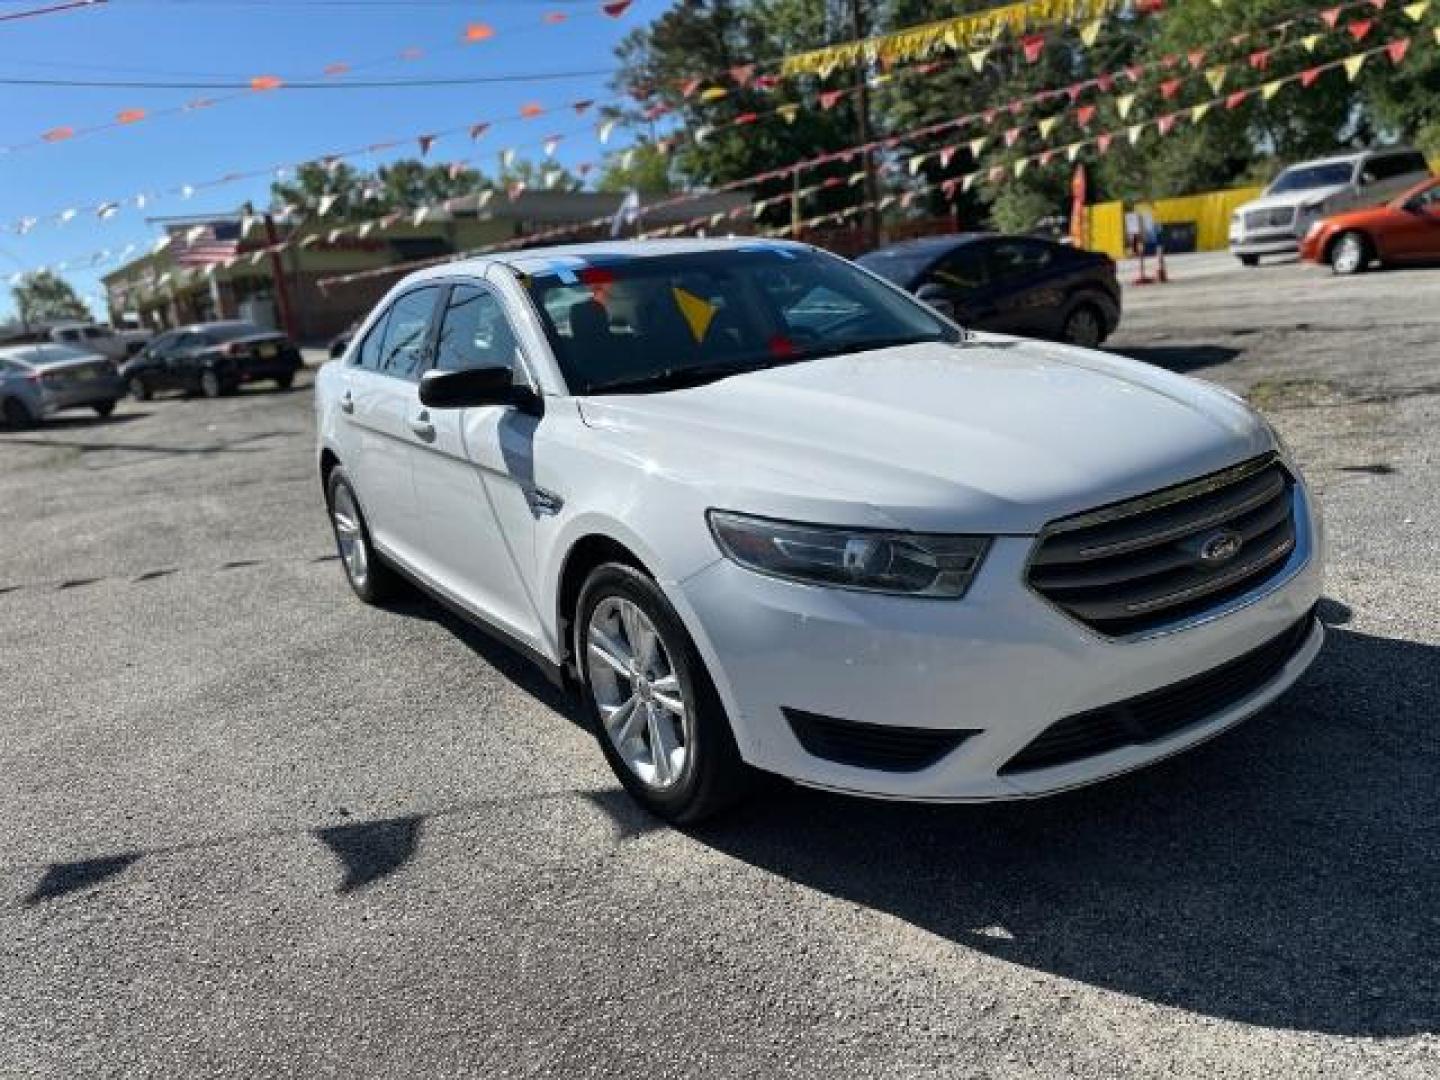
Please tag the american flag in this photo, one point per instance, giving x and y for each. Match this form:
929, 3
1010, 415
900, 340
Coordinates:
207, 245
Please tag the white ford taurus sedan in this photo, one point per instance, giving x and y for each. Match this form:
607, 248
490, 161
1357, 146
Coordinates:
767, 512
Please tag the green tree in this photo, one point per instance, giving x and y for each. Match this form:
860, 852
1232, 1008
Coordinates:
41, 296
647, 172
359, 195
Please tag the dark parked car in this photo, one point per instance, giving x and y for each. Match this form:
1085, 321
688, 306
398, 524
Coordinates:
341, 341
212, 359
1021, 285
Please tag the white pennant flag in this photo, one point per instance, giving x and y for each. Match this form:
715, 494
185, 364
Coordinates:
484, 198
326, 203
507, 157
66, 216
419, 218
186, 191
604, 130
364, 229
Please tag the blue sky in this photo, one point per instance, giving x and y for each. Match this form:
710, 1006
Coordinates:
160, 39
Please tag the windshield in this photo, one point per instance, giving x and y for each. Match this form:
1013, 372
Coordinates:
1305, 177
624, 324
899, 265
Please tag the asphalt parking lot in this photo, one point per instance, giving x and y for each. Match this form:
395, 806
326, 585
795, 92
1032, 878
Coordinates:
250, 827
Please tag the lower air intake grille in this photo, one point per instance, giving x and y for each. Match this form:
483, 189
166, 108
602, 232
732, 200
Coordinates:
873, 746
1161, 713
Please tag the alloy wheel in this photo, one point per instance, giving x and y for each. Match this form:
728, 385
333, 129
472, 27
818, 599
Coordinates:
1083, 328
348, 535
210, 384
637, 693
1350, 255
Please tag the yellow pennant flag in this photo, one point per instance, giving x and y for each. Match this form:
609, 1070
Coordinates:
916, 162
1270, 89
978, 57
698, 311
1124, 104
968, 182
1310, 41
1354, 64
789, 112
1090, 33
1416, 12
1134, 132
1216, 77
713, 93
1199, 112
1047, 125
1021, 166
976, 145
1073, 150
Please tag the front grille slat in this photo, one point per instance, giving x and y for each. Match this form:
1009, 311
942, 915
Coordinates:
1138, 565
1161, 713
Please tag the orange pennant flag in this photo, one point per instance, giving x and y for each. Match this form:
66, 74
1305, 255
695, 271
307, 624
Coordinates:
479, 32
129, 116
266, 82
531, 109
58, 134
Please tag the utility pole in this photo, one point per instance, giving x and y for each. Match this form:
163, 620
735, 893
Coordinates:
862, 115
277, 275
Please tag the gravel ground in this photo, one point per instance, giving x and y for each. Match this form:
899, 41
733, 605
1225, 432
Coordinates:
251, 828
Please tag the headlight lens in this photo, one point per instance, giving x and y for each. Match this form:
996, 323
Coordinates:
905, 564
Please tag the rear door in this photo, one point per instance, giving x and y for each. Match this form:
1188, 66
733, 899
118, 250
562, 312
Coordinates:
379, 403
1415, 237
1028, 285
474, 478
1393, 174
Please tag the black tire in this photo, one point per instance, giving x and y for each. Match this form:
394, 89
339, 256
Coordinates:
1350, 254
17, 414
140, 388
1084, 327
104, 409
376, 582
284, 382
211, 385
713, 776
1251, 261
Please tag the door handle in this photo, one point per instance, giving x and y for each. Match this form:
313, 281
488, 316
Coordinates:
347, 402
420, 424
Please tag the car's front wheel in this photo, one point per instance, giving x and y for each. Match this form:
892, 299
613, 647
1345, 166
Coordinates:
16, 414
650, 700
371, 579
211, 385
104, 409
1251, 261
1085, 327
1351, 254
140, 388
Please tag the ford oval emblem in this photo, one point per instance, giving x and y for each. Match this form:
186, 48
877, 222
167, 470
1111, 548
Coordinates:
1220, 547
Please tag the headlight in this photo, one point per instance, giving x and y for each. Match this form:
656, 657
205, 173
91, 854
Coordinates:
906, 564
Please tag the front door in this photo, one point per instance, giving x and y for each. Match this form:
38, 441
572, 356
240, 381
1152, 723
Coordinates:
474, 479
964, 275
1029, 292
1416, 238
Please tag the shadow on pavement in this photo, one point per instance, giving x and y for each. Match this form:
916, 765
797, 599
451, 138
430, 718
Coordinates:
1284, 875
1180, 358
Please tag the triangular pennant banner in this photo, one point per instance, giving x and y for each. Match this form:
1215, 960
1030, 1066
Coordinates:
1416, 12
1270, 89
1215, 76
1124, 104
1090, 32
1397, 50
1354, 64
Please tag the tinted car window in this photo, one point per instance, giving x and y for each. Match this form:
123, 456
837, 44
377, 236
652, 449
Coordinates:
372, 347
963, 268
1010, 259
1387, 168
405, 329
474, 332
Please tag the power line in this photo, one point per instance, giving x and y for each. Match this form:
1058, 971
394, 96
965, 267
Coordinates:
370, 84
30, 13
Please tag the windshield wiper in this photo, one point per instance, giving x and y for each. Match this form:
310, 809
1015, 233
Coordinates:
676, 378
868, 345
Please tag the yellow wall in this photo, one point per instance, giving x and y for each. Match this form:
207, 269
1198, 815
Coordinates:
1210, 212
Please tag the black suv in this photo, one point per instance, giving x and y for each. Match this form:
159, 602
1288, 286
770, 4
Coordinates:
212, 359
1022, 285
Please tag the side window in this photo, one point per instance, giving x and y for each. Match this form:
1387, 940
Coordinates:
163, 345
68, 335
1012, 259
370, 350
962, 269
405, 329
474, 332
1395, 165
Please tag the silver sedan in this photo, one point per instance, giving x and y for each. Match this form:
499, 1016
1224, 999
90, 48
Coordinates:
37, 381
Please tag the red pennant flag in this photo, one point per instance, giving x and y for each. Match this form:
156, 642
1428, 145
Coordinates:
1017, 107
1166, 124
766, 82
1105, 83
1170, 87
616, 8
1397, 49
741, 73
1260, 60
1169, 60
479, 31
1102, 143
1379, 5
131, 116
948, 187
515, 190
946, 153
1047, 157
746, 118
530, 110
1196, 58
1309, 77
1331, 17
425, 141
1085, 114
266, 82
553, 17
58, 134
829, 97
1235, 100
688, 87
1360, 28
990, 115
997, 172
1012, 136
1034, 45
332, 70
476, 130
1136, 72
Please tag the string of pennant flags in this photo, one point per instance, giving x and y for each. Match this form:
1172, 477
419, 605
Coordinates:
425, 141
473, 33
1096, 143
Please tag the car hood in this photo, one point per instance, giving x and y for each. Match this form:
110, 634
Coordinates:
1291, 198
998, 435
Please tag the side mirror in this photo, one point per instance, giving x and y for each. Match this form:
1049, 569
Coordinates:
475, 387
937, 297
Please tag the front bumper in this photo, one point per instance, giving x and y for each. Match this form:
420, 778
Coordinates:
1002, 662
1282, 244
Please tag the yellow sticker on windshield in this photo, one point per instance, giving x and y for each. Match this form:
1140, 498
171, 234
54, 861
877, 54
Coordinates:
698, 312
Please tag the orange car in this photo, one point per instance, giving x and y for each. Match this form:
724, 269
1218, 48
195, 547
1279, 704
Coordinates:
1406, 230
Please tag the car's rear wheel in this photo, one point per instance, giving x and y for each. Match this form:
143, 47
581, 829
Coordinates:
17, 414
371, 579
140, 388
211, 385
651, 702
1350, 255
105, 408
1084, 326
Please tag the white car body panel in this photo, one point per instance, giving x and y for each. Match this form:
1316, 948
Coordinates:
995, 437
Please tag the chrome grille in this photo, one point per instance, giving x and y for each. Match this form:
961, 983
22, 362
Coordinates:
1148, 562
1282, 217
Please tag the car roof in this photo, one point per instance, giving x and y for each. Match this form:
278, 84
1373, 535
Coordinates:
605, 250
935, 245
45, 352
1352, 157
215, 325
